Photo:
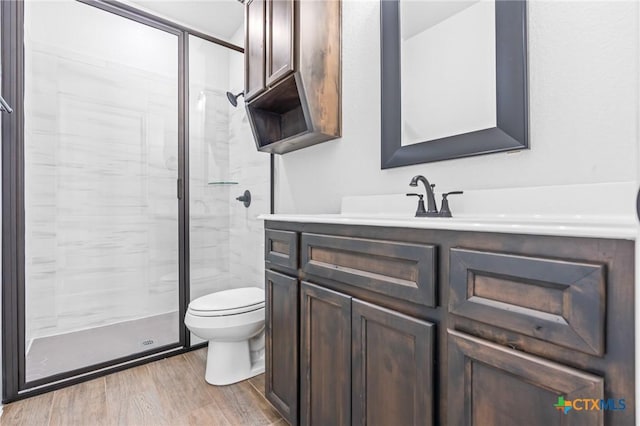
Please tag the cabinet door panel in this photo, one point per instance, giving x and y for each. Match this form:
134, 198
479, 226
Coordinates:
557, 301
392, 367
281, 379
325, 364
280, 26
493, 385
254, 55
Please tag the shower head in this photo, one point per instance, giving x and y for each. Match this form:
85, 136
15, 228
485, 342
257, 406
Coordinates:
233, 99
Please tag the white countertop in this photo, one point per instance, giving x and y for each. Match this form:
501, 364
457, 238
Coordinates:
598, 211
621, 227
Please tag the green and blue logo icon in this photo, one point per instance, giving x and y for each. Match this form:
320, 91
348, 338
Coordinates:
589, 404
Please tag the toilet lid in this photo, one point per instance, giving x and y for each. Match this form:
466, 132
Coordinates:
238, 300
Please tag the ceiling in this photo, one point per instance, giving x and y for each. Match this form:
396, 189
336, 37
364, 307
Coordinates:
217, 18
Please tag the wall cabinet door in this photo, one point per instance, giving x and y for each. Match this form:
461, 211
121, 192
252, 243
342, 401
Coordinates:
281, 379
493, 385
254, 55
280, 38
325, 359
392, 367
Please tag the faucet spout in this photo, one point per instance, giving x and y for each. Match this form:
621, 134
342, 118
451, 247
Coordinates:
432, 210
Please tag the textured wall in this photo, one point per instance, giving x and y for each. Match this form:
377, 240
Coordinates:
583, 71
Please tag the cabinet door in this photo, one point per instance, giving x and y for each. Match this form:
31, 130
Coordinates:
493, 385
392, 367
325, 362
280, 37
281, 379
254, 55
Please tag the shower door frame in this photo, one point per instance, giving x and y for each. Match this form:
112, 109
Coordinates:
14, 385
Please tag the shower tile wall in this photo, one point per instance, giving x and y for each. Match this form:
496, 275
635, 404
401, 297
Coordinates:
101, 209
208, 165
251, 168
226, 238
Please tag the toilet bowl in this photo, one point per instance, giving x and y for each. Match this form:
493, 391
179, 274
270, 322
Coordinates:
233, 323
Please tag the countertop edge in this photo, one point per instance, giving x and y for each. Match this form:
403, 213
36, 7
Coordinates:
626, 230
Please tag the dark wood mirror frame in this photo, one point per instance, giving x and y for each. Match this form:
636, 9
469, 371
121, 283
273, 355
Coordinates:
512, 130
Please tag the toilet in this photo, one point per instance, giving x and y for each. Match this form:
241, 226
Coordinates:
233, 323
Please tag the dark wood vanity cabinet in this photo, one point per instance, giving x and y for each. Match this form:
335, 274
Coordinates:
281, 344
254, 55
325, 357
269, 55
420, 327
362, 364
392, 367
280, 59
494, 385
292, 72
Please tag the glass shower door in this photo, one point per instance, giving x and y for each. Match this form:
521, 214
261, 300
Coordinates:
101, 211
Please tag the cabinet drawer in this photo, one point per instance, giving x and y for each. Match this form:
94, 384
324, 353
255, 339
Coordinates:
557, 301
281, 249
490, 384
400, 270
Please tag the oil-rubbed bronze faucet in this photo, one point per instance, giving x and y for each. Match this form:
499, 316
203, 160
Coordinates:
432, 210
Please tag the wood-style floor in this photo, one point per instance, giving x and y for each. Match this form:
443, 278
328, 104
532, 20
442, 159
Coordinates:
169, 392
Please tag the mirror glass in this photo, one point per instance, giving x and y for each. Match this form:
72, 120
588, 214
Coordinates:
448, 68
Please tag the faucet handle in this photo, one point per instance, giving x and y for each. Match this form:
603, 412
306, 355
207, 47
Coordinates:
444, 209
420, 211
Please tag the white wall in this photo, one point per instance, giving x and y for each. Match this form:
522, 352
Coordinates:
583, 72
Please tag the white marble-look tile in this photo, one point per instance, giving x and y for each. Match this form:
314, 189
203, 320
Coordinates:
101, 213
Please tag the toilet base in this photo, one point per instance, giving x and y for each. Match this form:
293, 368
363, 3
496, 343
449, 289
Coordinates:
230, 362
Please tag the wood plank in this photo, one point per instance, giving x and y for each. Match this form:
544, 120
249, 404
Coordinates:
240, 403
167, 392
243, 405
180, 389
258, 383
34, 411
132, 398
84, 403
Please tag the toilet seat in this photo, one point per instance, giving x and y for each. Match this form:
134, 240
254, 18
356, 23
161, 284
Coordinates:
228, 302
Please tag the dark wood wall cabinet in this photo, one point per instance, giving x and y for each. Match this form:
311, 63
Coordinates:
394, 326
292, 72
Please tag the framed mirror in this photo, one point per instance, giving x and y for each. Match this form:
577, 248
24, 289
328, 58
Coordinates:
454, 79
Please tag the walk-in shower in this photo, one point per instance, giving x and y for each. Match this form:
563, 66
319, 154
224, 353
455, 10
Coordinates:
132, 162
